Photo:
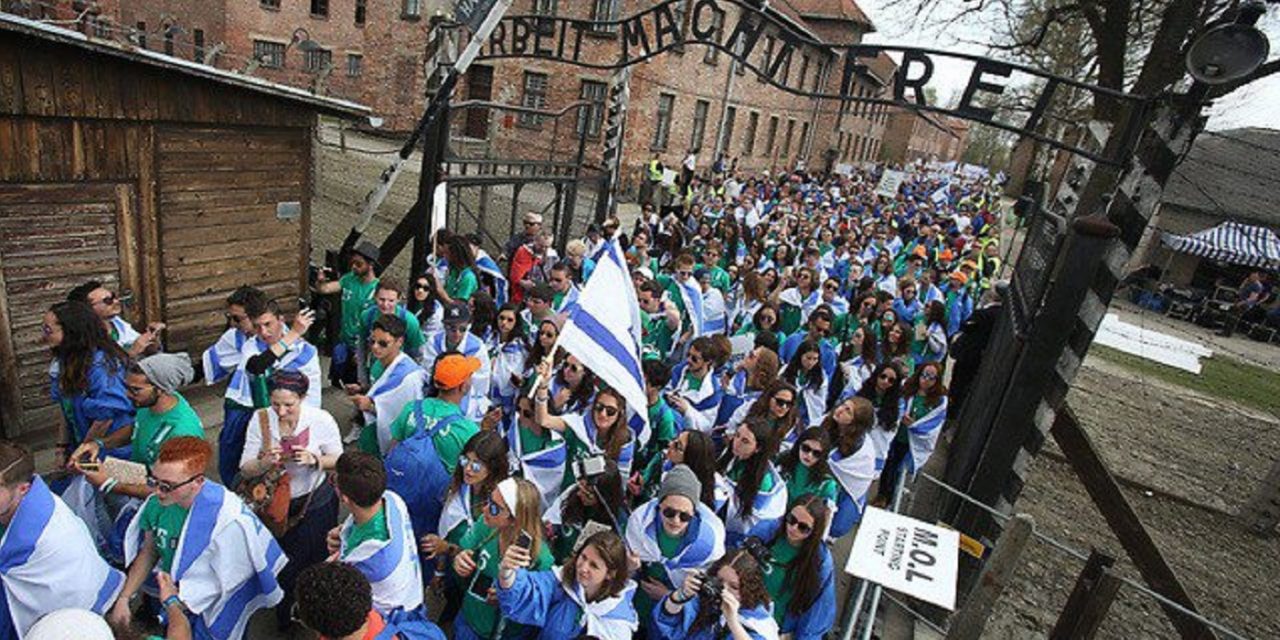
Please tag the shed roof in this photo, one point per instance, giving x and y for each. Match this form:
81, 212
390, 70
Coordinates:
838, 10
10, 23
1230, 174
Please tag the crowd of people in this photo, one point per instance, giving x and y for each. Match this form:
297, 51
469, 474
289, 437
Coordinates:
796, 334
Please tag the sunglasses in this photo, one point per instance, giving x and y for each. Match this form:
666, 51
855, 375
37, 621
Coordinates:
576, 368
547, 334
607, 410
802, 527
813, 451
467, 464
381, 343
783, 402
163, 486
46, 329
235, 317
108, 299
527, 413
684, 274
888, 378
676, 445
494, 508
830, 286
672, 513
928, 376
422, 286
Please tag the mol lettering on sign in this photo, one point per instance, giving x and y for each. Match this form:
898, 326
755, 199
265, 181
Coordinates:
907, 555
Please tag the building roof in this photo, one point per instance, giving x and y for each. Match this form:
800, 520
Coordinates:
10, 23
835, 10
883, 67
787, 11
1230, 174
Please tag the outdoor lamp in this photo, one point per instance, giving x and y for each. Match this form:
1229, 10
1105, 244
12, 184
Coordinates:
1229, 50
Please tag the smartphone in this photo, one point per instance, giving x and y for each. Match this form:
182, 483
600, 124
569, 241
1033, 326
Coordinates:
303, 304
480, 585
524, 540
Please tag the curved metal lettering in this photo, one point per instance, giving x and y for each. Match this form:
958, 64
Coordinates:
663, 27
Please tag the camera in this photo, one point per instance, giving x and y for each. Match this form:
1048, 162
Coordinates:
709, 592
758, 550
589, 468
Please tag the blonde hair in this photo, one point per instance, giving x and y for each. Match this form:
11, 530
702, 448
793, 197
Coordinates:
527, 513
575, 248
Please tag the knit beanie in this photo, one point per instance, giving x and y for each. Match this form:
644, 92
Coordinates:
680, 481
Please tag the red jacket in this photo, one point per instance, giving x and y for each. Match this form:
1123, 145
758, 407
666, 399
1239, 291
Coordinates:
521, 264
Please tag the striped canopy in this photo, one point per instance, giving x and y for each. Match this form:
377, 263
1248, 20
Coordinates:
1232, 242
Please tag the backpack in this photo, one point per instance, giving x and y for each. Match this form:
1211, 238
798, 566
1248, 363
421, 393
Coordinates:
411, 625
416, 473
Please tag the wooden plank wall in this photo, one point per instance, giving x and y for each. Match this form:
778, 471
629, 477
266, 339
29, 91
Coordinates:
217, 192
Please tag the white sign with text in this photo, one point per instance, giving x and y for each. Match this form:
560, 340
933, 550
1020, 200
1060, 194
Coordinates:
906, 555
889, 183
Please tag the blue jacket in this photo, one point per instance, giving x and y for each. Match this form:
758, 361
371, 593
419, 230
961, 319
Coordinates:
103, 399
821, 615
907, 312
537, 599
669, 627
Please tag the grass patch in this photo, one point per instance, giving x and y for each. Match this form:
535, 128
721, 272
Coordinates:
1220, 377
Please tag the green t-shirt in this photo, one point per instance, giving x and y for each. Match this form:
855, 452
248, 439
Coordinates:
357, 297
461, 285
802, 484
657, 335
481, 616
448, 441
576, 449
375, 529
165, 524
150, 430
669, 547
531, 442
775, 577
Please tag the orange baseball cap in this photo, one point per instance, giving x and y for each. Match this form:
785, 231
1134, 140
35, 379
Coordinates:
455, 369
959, 276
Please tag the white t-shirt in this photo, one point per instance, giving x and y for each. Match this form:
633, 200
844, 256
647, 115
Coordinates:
323, 439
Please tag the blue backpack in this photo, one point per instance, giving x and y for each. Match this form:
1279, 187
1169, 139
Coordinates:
410, 625
416, 473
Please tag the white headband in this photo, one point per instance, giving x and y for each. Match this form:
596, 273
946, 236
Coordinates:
507, 489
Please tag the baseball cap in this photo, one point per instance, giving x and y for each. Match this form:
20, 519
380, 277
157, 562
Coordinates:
959, 277
454, 369
457, 313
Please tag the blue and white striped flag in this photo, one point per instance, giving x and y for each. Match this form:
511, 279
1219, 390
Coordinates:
603, 329
486, 265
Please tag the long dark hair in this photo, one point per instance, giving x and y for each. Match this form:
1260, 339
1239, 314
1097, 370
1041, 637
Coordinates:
751, 590
847, 438
579, 396
887, 405
609, 485
890, 350
912, 386
620, 432
517, 332
491, 449
760, 408
536, 351
83, 336
459, 249
484, 313
820, 470
753, 468
804, 572
812, 378
700, 457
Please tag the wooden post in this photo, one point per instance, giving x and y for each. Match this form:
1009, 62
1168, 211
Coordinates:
1096, 607
1262, 513
968, 622
1069, 620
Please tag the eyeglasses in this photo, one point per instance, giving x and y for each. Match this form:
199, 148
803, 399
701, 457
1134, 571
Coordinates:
235, 317
164, 486
830, 286
684, 274
694, 356
813, 451
887, 377
455, 328
677, 446
108, 300
46, 329
783, 402
576, 368
802, 527
547, 334
527, 413
608, 410
672, 513
467, 464
928, 375
422, 286
132, 390
381, 343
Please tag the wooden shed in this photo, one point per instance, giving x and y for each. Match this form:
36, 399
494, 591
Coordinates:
171, 181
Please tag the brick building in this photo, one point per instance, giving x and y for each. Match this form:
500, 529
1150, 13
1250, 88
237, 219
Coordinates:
913, 135
374, 52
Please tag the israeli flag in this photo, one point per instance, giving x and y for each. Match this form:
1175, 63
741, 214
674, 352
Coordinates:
225, 564
486, 265
924, 435
544, 468
48, 562
691, 293
400, 384
603, 329
854, 474
941, 196
612, 618
702, 545
223, 358
390, 565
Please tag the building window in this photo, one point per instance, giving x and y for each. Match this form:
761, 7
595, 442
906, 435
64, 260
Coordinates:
817, 75
318, 59
726, 138
269, 54
100, 27
699, 130
662, 126
141, 35
355, 64
768, 57
603, 11
592, 118
749, 141
717, 24
168, 42
804, 139
361, 11
544, 7
411, 10
197, 37
786, 142
320, 8
535, 97
804, 70
771, 136
269, 4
